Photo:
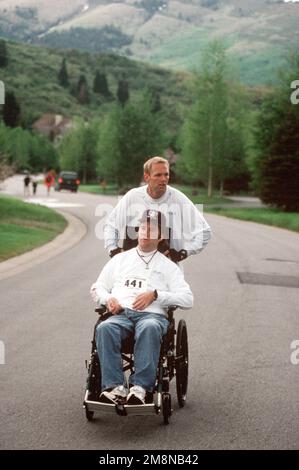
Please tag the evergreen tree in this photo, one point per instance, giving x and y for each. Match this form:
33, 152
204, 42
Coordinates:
276, 169
100, 84
11, 110
156, 102
3, 54
123, 91
63, 75
278, 163
82, 90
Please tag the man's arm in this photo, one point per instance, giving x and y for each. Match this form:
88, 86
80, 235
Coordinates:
111, 230
196, 231
101, 290
199, 235
179, 292
116, 223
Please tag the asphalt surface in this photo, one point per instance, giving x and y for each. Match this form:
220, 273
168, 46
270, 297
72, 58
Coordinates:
243, 388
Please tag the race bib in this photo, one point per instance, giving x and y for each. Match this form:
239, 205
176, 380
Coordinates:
136, 283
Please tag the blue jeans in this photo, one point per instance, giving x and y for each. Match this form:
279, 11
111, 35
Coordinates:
148, 328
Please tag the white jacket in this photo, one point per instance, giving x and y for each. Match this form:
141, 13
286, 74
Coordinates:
125, 276
189, 229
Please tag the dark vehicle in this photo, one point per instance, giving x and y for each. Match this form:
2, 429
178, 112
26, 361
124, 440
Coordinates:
67, 180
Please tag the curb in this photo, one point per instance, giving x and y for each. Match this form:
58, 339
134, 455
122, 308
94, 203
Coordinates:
73, 233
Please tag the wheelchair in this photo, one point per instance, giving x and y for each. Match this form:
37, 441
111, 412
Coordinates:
173, 362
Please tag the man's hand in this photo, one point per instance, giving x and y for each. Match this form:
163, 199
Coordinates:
143, 300
115, 252
177, 256
114, 306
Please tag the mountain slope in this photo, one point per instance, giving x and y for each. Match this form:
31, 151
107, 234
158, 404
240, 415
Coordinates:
32, 74
173, 33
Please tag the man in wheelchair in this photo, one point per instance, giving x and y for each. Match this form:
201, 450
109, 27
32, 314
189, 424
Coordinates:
137, 286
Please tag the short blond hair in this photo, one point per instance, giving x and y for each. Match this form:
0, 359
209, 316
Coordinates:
149, 163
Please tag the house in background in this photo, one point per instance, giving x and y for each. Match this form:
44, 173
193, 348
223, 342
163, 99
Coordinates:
53, 126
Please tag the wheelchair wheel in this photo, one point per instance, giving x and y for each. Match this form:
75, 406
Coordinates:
166, 407
181, 363
93, 383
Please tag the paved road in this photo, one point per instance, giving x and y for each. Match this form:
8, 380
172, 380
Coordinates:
243, 389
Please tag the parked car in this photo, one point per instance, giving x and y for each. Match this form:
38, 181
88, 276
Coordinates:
67, 180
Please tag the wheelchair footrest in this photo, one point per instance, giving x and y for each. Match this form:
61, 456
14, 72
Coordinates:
122, 410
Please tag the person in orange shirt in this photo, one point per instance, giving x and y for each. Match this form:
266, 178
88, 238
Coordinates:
49, 181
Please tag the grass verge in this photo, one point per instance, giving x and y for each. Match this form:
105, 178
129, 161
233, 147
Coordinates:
26, 226
267, 216
110, 189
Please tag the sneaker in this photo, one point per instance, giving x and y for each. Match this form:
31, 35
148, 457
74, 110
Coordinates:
114, 396
136, 396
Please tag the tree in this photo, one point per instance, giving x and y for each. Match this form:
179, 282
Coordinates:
77, 150
123, 91
276, 166
100, 84
232, 161
156, 102
63, 75
6, 170
82, 90
3, 54
26, 150
129, 135
204, 133
11, 110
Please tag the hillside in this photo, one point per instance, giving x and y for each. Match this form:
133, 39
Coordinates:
172, 33
32, 74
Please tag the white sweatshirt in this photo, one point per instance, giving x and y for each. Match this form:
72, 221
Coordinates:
126, 275
189, 229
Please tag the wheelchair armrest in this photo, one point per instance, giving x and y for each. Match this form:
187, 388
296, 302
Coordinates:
170, 311
101, 309
103, 313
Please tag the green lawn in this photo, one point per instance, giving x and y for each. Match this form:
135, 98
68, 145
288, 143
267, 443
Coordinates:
201, 195
268, 216
25, 226
98, 189
199, 198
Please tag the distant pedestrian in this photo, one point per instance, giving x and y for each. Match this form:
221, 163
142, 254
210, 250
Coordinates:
34, 185
27, 180
103, 186
49, 181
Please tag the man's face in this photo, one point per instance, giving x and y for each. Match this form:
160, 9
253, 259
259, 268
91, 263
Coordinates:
158, 179
148, 236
